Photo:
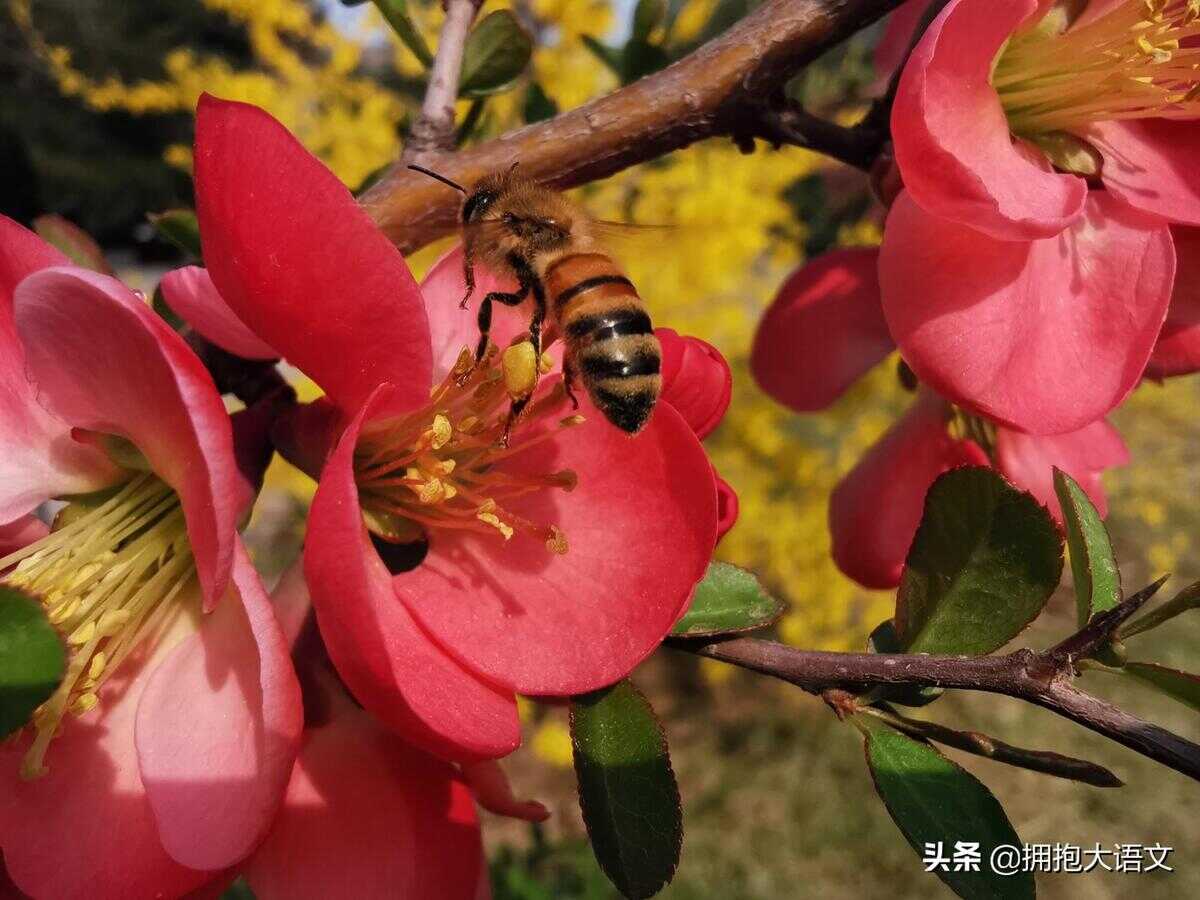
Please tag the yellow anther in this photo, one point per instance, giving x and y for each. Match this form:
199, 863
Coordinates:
494, 520
545, 363
62, 613
84, 703
96, 667
557, 542
469, 424
432, 491
440, 432
82, 634
572, 420
465, 361
113, 620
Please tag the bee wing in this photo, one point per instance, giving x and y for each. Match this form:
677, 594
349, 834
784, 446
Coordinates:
625, 239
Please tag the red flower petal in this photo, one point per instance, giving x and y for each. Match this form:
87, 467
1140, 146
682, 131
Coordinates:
696, 380
450, 326
1151, 165
301, 264
874, 511
641, 525
105, 362
21, 533
1028, 461
218, 728
85, 829
190, 293
1178, 349
951, 136
38, 459
389, 663
370, 818
492, 790
823, 331
1045, 336
727, 506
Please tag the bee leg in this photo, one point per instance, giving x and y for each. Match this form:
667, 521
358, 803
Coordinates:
469, 278
514, 413
569, 384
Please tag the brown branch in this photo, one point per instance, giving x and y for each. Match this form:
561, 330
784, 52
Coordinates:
724, 88
1039, 678
434, 128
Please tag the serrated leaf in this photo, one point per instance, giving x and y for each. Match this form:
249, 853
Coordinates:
538, 105
498, 50
609, 56
1181, 686
1093, 565
627, 789
32, 658
73, 241
180, 227
984, 561
934, 801
728, 600
647, 16
395, 13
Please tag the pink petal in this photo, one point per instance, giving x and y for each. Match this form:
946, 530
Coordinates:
1029, 460
898, 31
951, 137
389, 663
641, 526
492, 790
38, 459
1178, 349
696, 380
21, 533
1151, 165
85, 829
450, 326
368, 817
190, 293
1045, 336
301, 264
218, 729
874, 511
105, 362
823, 331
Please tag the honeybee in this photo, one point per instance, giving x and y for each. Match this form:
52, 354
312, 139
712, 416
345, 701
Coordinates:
553, 250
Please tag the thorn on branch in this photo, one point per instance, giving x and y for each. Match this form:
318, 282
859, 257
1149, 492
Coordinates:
1101, 629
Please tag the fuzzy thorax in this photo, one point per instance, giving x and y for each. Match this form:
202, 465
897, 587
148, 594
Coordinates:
441, 467
107, 575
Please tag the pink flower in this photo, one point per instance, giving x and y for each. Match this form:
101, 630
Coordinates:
823, 331
165, 753
1009, 283
553, 566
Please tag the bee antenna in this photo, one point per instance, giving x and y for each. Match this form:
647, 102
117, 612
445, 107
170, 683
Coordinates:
442, 178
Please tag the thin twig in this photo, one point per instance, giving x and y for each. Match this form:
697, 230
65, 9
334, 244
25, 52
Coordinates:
434, 128
716, 91
1033, 677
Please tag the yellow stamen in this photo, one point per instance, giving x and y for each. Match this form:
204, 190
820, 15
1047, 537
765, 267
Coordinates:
107, 575
1134, 62
437, 467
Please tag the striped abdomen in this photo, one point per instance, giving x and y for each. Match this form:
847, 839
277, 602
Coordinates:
610, 343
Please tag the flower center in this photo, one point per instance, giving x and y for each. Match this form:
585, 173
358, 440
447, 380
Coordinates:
106, 576
1134, 62
439, 467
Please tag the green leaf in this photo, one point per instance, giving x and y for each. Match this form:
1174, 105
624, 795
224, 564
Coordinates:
1181, 686
180, 227
983, 563
610, 56
1093, 566
933, 801
647, 16
73, 241
395, 12
32, 658
538, 105
728, 600
627, 789
497, 52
